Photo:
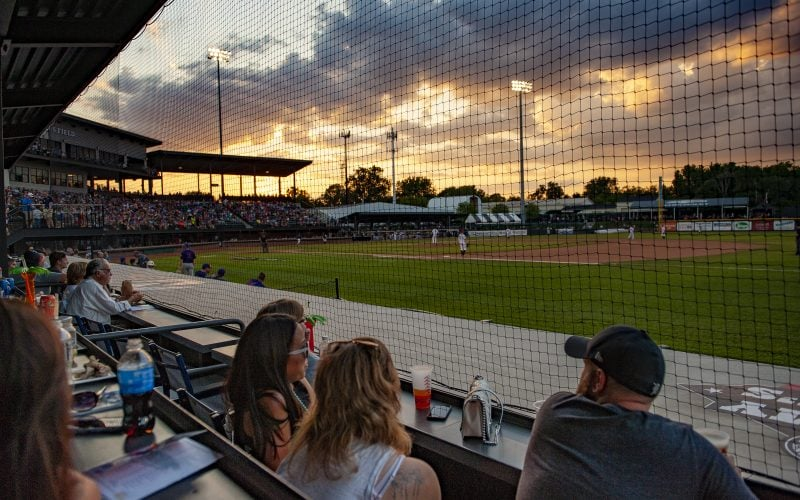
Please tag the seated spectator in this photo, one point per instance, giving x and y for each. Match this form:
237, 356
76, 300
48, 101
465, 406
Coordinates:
58, 262
259, 282
352, 443
36, 441
91, 300
296, 310
204, 271
44, 279
603, 442
75, 273
220, 274
265, 411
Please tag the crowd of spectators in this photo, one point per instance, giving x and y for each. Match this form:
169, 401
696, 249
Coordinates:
274, 213
136, 212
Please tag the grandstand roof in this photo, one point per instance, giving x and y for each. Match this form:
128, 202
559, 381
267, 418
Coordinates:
203, 163
380, 208
51, 51
148, 142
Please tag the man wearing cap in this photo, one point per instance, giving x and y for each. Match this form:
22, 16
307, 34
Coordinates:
187, 260
603, 442
204, 272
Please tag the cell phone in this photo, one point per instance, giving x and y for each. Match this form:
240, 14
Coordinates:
95, 425
439, 412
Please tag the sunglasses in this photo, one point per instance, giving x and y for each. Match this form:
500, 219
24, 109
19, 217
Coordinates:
87, 400
336, 345
302, 351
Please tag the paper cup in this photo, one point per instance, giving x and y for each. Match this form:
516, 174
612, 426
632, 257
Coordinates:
720, 439
421, 382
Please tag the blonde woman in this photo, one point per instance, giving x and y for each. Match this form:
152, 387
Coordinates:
352, 444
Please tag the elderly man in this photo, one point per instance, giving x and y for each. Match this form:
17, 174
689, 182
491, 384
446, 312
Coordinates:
91, 300
604, 443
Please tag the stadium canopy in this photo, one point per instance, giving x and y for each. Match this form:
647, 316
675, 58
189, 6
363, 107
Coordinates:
384, 212
50, 51
204, 163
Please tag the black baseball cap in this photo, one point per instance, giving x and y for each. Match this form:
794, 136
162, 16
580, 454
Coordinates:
626, 354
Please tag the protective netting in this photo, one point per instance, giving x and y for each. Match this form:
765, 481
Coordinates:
620, 94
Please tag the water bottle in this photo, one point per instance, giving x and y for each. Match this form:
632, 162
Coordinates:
135, 377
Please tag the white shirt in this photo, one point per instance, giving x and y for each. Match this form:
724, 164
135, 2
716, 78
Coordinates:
91, 301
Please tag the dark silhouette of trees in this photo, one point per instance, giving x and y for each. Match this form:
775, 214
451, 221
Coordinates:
368, 185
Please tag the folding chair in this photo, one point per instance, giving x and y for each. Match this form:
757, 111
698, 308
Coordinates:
176, 375
199, 409
89, 327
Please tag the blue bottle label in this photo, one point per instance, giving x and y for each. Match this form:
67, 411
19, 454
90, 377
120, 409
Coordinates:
137, 381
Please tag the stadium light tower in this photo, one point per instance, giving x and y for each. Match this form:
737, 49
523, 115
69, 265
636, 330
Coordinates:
219, 55
345, 134
521, 87
392, 136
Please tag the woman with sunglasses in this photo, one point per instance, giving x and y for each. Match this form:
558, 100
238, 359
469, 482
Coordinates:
33, 387
263, 409
352, 444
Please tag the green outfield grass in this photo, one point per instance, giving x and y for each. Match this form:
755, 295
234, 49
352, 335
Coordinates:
743, 305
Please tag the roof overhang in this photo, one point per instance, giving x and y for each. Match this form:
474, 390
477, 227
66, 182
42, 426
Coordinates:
203, 163
50, 51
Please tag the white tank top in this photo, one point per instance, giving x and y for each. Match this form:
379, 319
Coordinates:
363, 484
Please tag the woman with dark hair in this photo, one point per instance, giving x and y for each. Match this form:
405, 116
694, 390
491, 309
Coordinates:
265, 411
33, 386
352, 444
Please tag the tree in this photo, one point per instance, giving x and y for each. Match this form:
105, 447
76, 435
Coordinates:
466, 208
300, 196
602, 190
495, 197
463, 191
500, 208
531, 211
332, 197
552, 191
539, 194
368, 185
415, 187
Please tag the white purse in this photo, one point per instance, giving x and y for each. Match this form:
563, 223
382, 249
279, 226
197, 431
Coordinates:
476, 420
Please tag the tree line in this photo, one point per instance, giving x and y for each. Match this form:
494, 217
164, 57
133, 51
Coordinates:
776, 185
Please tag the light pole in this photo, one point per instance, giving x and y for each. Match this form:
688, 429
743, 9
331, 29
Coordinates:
220, 55
392, 136
522, 87
345, 134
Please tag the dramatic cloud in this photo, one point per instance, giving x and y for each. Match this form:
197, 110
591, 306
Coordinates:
632, 89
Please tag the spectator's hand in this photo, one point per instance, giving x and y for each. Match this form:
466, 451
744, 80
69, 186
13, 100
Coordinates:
135, 297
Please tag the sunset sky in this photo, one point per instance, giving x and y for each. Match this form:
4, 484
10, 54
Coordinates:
619, 88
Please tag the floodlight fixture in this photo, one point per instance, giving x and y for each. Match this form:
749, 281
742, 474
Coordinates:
521, 86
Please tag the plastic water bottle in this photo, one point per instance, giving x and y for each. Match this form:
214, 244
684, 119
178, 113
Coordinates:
135, 377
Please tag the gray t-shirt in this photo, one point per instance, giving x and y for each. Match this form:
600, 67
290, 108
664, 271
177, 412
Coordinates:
581, 449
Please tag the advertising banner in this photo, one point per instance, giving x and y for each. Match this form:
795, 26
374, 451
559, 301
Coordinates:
703, 226
685, 226
762, 225
723, 225
742, 225
783, 225
672, 225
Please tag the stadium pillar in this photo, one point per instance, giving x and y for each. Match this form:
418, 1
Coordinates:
345, 134
392, 136
220, 55
3, 220
521, 87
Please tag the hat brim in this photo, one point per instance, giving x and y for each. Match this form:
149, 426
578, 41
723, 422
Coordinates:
576, 347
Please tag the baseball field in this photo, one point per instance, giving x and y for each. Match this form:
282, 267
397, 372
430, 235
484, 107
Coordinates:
734, 295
